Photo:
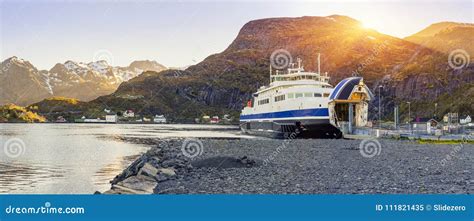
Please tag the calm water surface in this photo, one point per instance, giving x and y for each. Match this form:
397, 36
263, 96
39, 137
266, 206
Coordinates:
78, 158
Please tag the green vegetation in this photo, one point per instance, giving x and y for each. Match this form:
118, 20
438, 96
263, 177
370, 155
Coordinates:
458, 100
423, 141
72, 101
14, 113
52, 108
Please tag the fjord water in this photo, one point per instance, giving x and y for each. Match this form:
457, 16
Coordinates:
78, 158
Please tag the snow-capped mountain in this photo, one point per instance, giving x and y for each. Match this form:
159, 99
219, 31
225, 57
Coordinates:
21, 83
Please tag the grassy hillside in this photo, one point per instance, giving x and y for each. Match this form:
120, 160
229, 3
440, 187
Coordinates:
14, 113
446, 37
53, 107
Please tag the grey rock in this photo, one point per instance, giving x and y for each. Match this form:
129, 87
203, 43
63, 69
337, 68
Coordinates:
167, 171
148, 170
140, 184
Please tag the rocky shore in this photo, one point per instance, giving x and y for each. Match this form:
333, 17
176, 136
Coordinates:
241, 166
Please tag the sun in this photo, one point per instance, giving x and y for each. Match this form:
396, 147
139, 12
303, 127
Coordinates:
368, 25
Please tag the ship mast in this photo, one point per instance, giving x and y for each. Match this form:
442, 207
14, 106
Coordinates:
270, 73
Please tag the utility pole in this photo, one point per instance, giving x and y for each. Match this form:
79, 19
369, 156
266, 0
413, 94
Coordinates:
380, 118
409, 115
396, 120
319, 63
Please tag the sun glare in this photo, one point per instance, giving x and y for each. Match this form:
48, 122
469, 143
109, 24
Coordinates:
367, 25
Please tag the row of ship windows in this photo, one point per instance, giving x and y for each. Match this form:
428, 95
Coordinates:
264, 101
303, 77
291, 96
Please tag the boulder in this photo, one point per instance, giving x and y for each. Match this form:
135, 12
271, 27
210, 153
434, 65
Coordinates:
148, 170
167, 171
161, 177
131, 170
137, 184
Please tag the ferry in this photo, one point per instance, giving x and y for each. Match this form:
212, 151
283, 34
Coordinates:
298, 103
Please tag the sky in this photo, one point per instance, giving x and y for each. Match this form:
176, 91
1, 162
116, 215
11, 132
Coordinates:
181, 33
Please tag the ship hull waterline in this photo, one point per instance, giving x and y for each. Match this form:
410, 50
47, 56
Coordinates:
294, 128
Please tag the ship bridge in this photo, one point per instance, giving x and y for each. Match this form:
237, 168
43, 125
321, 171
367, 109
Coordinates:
349, 103
298, 74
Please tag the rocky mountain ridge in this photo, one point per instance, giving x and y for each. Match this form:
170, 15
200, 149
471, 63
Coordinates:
23, 84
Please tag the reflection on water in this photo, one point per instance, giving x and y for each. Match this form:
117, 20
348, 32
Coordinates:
103, 175
80, 158
18, 177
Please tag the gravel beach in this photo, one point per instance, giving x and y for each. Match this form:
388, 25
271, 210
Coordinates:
301, 166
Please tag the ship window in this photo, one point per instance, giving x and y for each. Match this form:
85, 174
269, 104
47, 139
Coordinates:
264, 101
291, 95
279, 98
317, 95
326, 94
297, 95
308, 94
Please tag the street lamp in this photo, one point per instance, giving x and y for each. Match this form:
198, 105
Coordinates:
409, 115
380, 118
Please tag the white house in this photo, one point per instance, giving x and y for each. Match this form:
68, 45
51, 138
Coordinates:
129, 113
424, 125
215, 120
111, 118
160, 119
466, 120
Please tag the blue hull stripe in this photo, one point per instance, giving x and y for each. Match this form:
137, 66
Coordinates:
316, 112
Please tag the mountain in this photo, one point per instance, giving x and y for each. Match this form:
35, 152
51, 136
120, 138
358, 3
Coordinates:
223, 82
146, 65
446, 37
21, 83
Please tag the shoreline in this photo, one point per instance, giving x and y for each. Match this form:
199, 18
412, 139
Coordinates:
266, 166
